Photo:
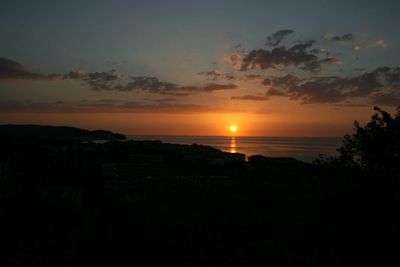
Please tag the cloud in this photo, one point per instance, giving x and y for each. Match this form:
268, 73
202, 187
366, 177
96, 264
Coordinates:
211, 87
166, 99
76, 74
112, 81
216, 74
101, 80
362, 41
213, 73
253, 76
320, 50
276, 38
236, 58
379, 85
262, 59
108, 106
97, 81
164, 107
250, 97
230, 76
331, 60
11, 70
155, 86
345, 38
382, 43
389, 99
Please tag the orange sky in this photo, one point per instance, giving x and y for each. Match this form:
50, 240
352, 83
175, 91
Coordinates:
326, 122
200, 67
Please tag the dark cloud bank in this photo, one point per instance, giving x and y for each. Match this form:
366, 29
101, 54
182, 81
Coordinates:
107, 106
250, 97
300, 55
109, 81
380, 86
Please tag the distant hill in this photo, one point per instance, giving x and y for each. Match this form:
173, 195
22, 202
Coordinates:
56, 132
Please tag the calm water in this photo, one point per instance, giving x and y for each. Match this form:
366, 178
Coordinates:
304, 148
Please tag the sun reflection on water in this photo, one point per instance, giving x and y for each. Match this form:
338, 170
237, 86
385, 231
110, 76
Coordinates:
233, 145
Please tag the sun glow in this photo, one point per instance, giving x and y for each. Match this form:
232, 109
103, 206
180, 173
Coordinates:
233, 128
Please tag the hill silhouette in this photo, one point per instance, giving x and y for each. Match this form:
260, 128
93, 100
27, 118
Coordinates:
56, 132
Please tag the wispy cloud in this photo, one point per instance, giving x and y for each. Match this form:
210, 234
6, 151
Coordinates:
155, 86
277, 37
345, 38
12, 70
250, 97
357, 41
213, 73
382, 43
217, 74
109, 106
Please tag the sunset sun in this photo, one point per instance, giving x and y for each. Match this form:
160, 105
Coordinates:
233, 128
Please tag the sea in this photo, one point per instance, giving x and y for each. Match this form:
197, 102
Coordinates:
302, 148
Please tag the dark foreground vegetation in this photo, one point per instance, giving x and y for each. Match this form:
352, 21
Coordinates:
72, 203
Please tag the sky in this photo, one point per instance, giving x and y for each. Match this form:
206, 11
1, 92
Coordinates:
272, 68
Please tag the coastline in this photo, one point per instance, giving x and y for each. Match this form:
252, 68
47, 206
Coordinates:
301, 148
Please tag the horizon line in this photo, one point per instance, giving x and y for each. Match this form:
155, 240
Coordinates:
168, 135
239, 136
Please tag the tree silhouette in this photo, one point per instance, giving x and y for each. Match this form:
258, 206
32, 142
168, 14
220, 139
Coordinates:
375, 147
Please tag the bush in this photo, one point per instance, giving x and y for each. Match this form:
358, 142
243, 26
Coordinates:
375, 147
